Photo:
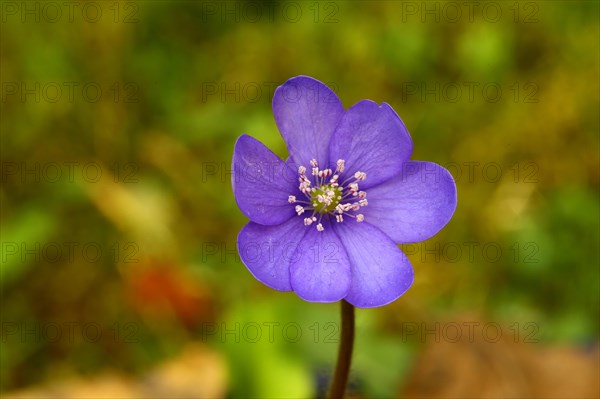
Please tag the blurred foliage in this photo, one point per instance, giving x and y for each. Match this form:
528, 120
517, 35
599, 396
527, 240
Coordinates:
181, 80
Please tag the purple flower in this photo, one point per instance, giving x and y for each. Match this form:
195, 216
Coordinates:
325, 223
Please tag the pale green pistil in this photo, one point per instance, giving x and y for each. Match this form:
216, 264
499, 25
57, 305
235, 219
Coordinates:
325, 198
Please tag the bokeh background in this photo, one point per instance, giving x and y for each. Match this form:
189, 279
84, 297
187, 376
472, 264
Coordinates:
119, 271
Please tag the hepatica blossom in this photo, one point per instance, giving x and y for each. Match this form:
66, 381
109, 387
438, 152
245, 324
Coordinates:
325, 222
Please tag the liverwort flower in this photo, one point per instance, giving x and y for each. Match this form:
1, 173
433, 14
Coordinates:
325, 222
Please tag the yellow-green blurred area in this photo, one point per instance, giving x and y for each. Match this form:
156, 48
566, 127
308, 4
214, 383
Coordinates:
120, 276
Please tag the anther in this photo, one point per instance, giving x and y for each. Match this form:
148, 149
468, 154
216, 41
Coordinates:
360, 175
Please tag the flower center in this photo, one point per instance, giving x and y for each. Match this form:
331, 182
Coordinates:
329, 197
325, 198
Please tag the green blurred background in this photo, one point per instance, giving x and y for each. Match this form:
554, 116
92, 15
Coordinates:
119, 271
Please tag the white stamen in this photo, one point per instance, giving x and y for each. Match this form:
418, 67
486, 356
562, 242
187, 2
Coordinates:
362, 194
315, 171
360, 175
291, 199
299, 210
301, 170
320, 227
339, 218
340, 165
360, 217
363, 202
313, 162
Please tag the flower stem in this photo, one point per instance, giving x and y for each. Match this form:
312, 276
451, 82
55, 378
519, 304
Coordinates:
340, 378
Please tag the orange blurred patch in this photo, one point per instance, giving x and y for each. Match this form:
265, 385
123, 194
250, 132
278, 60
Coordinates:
162, 289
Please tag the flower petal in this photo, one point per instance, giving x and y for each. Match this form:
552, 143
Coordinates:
380, 270
306, 112
267, 251
322, 271
415, 205
371, 138
262, 183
